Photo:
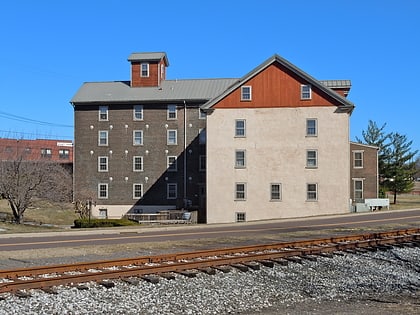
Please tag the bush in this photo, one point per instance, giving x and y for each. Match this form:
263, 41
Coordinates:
95, 223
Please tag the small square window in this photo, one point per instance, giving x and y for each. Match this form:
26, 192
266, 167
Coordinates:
144, 70
240, 216
240, 191
171, 164
103, 213
275, 192
358, 159
172, 137
305, 92
103, 113
138, 137
311, 127
171, 112
240, 128
138, 112
246, 93
311, 192
240, 159
311, 158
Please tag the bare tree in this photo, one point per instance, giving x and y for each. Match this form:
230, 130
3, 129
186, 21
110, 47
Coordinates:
21, 181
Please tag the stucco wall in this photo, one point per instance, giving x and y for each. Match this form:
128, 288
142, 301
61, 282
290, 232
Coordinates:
276, 146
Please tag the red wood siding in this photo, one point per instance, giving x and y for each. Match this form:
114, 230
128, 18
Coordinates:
154, 75
275, 86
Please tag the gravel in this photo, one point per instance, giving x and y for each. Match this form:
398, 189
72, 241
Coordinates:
344, 284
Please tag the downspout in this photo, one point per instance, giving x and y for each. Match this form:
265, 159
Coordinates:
185, 154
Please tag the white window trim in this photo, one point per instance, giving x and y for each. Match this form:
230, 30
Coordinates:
201, 114
134, 163
101, 112
167, 137
354, 159
236, 128
99, 138
316, 159
302, 87
242, 93
167, 191
99, 163
244, 192
99, 190
316, 127
134, 137
280, 192
236, 159
135, 110
362, 180
307, 192
134, 191
238, 215
141, 70
175, 163
168, 112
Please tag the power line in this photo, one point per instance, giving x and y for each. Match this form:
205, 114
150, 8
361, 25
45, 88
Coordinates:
32, 121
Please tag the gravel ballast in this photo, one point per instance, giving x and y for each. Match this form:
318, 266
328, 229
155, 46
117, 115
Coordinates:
386, 278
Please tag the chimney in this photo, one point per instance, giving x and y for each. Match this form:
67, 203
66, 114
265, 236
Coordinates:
148, 69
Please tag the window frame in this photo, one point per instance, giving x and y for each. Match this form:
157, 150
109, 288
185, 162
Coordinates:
172, 166
272, 193
138, 109
240, 194
240, 216
135, 143
100, 191
361, 159
311, 195
103, 163
202, 163
136, 185
103, 136
313, 159
46, 153
103, 113
240, 159
168, 137
309, 128
202, 136
63, 154
174, 190
240, 132
305, 94
202, 114
135, 169
171, 110
246, 93
144, 73
355, 189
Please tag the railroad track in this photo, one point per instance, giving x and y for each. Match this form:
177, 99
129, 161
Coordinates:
150, 268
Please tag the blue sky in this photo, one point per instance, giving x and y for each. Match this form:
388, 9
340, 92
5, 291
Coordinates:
49, 48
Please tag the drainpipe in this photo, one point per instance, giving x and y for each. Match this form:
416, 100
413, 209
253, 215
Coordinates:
185, 154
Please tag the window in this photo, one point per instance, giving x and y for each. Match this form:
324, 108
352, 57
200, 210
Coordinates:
138, 137
171, 191
202, 163
171, 137
275, 192
311, 159
46, 153
137, 163
103, 213
246, 93
311, 127
102, 191
240, 128
171, 114
240, 216
102, 164
201, 114
240, 191
103, 138
103, 112
240, 159
63, 154
358, 190
202, 136
311, 192
171, 163
144, 70
358, 159
305, 92
137, 191
138, 112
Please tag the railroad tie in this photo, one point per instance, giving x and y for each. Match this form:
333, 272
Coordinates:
188, 273
280, 261
167, 276
295, 259
208, 270
107, 284
131, 281
150, 279
50, 290
22, 294
252, 265
224, 269
309, 257
240, 267
267, 263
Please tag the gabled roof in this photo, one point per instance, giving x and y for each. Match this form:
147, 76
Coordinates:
364, 145
347, 106
170, 90
148, 56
